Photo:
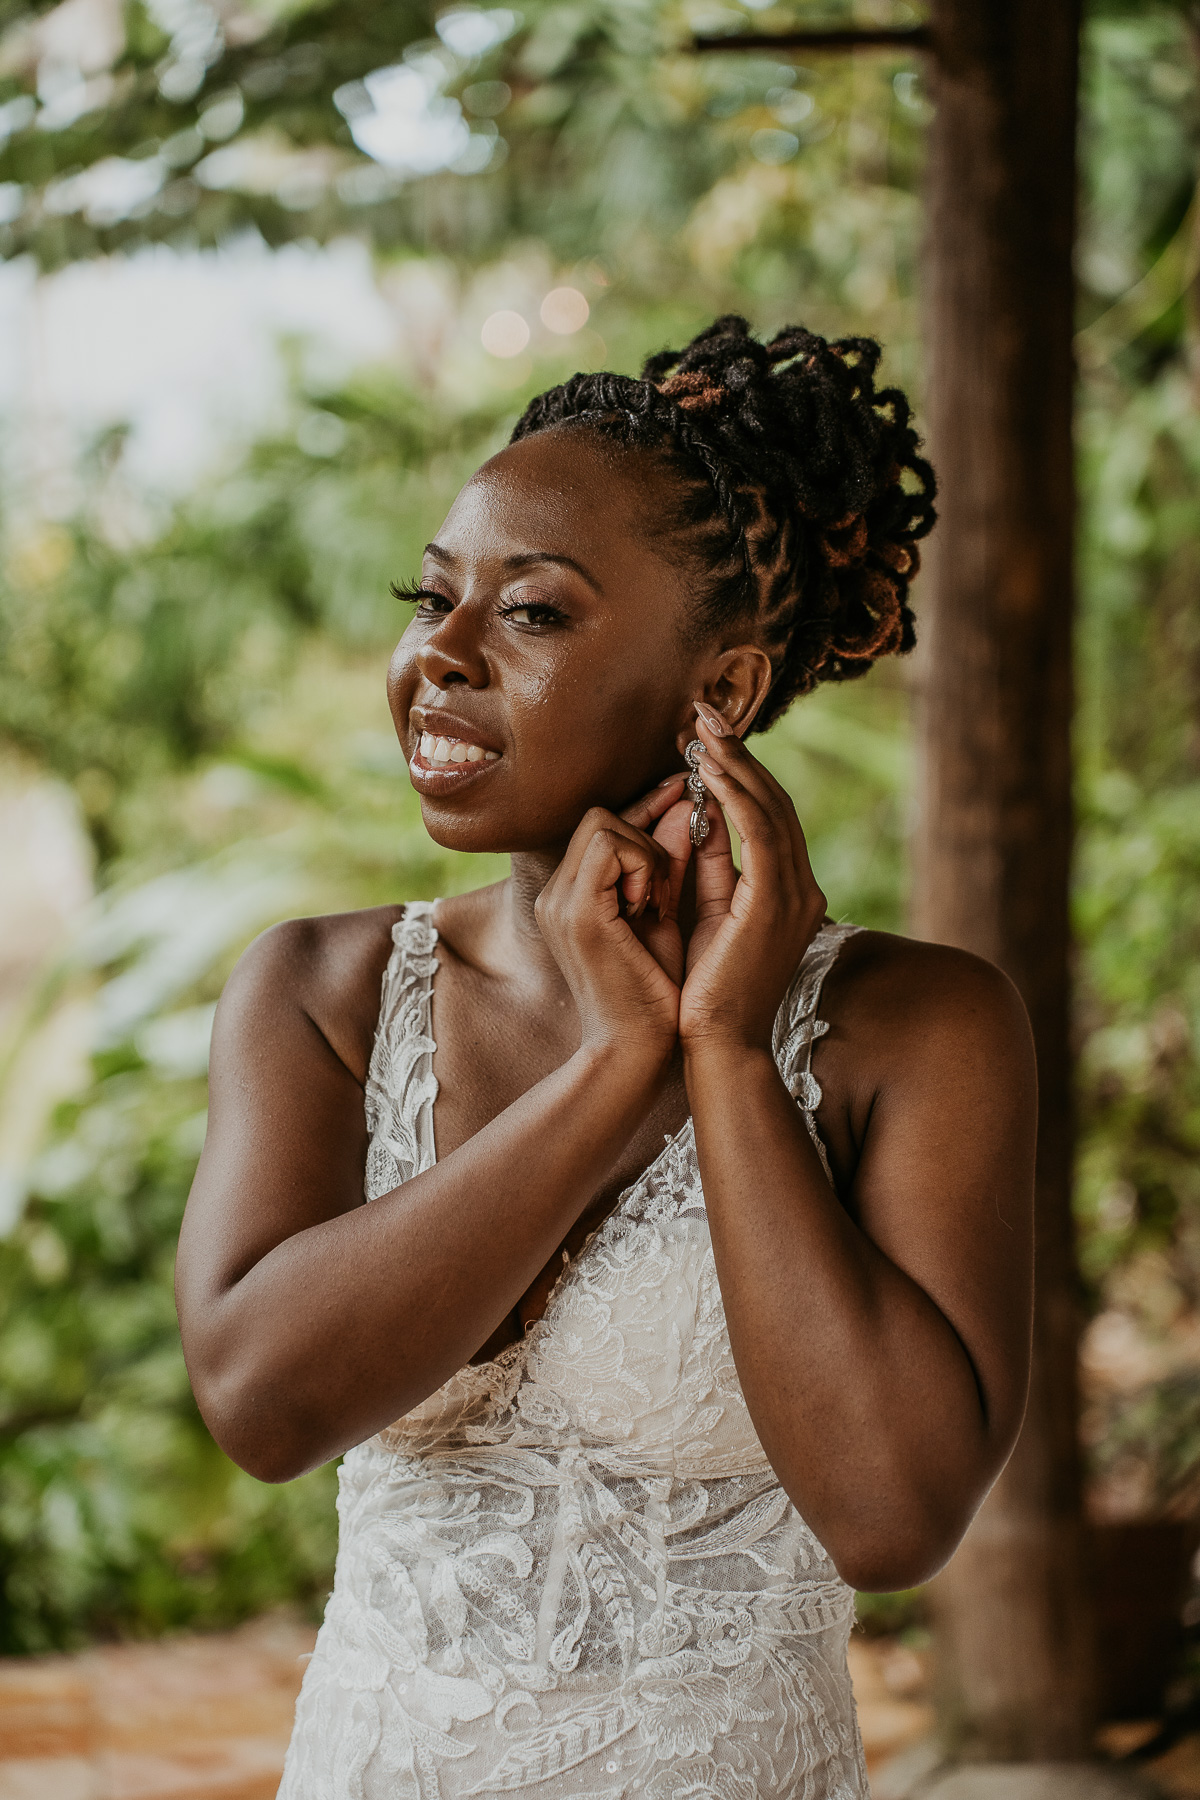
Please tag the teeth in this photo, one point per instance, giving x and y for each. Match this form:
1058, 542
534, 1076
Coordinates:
453, 750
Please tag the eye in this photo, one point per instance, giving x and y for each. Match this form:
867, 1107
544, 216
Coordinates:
428, 603
533, 613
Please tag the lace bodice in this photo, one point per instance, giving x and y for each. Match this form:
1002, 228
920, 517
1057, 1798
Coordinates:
571, 1572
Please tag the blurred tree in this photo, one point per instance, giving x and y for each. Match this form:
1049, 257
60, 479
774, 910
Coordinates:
994, 842
589, 127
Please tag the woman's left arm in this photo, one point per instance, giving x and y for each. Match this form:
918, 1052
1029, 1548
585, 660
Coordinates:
882, 1344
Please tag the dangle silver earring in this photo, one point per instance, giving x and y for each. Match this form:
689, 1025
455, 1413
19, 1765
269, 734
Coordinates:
698, 823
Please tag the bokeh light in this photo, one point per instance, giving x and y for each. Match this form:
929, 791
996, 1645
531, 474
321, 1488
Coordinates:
564, 310
505, 334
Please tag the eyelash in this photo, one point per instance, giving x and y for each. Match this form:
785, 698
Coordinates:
415, 594
412, 591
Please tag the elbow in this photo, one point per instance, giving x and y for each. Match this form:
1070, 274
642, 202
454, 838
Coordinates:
268, 1459
268, 1450
897, 1556
255, 1430
888, 1568
254, 1403
900, 1531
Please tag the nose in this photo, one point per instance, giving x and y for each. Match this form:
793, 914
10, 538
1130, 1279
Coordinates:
452, 656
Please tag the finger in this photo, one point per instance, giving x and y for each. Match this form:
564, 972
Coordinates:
653, 805
598, 821
661, 938
642, 814
716, 873
673, 834
766, 849
645, 885
729, 752
624, 863
732, 755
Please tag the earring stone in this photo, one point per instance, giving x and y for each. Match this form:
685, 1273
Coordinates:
698, 823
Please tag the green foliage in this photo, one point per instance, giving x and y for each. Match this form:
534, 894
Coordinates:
1138, 1192
117, 1511
611, 134
1139, 667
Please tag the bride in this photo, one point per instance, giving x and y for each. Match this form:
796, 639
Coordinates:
694, 1288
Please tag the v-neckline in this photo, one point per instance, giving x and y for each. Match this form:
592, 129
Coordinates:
669, 1144
672, 1143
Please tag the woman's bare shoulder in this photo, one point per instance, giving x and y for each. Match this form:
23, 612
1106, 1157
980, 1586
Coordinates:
328, 969
884, 968
892, 996
923, 1033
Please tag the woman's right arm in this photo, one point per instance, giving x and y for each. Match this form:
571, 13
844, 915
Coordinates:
310, 1320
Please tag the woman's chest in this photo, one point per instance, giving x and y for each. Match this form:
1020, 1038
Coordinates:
492, 1048
496, 1040
495, 1043
630, 1359
662, 1123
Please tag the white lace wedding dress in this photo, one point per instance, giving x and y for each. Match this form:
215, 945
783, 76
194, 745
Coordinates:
571, 1573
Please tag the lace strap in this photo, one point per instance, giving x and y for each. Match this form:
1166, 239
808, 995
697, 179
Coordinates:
797, 1027
401, 1086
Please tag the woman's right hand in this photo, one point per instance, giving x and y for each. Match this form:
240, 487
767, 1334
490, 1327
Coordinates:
608, 916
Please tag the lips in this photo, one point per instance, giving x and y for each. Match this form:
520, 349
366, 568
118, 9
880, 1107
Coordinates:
445, 758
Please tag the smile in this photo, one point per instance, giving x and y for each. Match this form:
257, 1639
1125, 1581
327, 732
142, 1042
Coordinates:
442, 762
436, 750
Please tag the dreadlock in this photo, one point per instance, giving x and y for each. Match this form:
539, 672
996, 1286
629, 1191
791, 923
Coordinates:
798, 487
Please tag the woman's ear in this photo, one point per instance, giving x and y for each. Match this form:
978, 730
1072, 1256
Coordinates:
735, 685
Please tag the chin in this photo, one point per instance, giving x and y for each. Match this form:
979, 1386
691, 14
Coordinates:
471, 837
494, 830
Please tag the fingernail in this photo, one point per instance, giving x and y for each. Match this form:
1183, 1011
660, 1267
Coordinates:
712, 719
670, 779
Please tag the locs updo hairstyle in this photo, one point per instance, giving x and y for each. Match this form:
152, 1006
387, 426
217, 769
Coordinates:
797, 489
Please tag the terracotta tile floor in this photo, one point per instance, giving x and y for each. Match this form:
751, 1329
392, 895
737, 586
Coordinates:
891, 1686
196, 1718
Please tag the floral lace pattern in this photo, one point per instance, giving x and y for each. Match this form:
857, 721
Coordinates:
571, 1574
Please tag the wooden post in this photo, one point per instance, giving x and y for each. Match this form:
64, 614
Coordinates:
995, 824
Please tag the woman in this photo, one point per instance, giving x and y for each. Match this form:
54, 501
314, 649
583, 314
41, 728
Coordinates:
677, 1310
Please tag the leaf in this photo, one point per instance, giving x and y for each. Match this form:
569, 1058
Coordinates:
450, 1605
609, 1583
751, 1523
560, 1746
564, 1651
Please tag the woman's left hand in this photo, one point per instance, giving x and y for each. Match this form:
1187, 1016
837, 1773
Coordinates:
751, 930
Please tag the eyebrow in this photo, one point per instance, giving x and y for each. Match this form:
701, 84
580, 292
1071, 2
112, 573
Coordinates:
524, 560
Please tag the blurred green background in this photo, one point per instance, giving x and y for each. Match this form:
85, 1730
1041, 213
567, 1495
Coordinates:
195, 736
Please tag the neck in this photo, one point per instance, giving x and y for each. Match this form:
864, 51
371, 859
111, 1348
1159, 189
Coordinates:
530, 870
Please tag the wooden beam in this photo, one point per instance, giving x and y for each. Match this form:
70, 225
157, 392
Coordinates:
883, 37
993, 849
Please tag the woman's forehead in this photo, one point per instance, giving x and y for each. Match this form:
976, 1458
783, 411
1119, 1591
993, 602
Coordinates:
564, 492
